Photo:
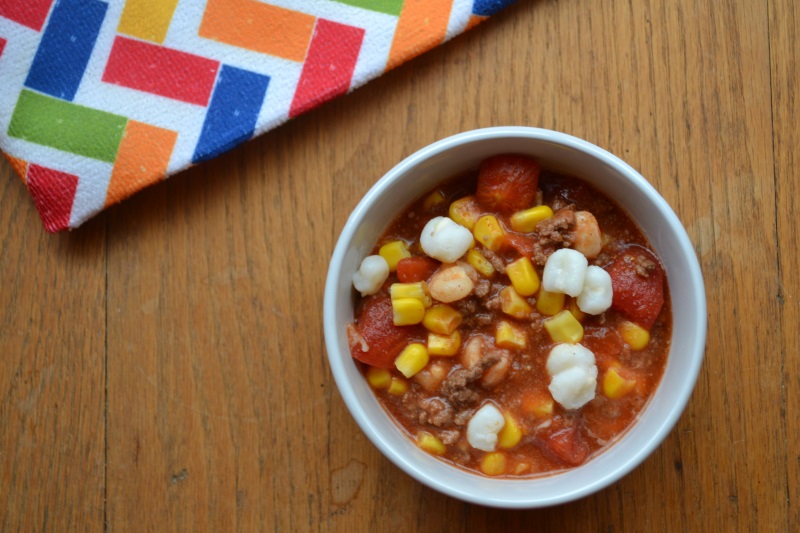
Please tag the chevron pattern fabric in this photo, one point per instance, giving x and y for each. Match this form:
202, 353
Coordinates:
99, 99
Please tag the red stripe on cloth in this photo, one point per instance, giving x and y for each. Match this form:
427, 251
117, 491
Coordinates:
30, 13
53, 193
159, 70
2, 45
329, 65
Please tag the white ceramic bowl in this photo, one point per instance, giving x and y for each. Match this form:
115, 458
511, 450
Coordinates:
418, 174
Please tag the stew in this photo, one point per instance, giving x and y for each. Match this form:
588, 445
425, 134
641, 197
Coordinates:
513, 321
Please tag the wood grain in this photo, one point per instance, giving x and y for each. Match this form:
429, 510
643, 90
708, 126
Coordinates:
164, 368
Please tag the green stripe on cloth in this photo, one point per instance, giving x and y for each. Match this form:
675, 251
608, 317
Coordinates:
390, 7
69, 127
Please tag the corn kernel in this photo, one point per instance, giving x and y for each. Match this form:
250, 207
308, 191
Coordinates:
444, 344
397, 387
525, 221
393, 252
378, 378
433, 199
538, 403
573, 308
523, 277
418, 291
564, 327
513, 304
615, 386
493, 464
550, 303
412, 359
511, 433
636, 336
465, 211
430, 443
489, 232
480, 263
442, 319
407, 311
509, 336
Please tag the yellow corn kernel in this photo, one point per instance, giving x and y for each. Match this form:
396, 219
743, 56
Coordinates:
397, 387
509, 336
523, 277
433, 199
550, 303
525, 221
430, 443
480, 263
635, 335
418, 290
378, 378
511, 433
564, 327
573, 308
513, 304
493, 464
412, 359
442, 319
465, 211
489, 232
407, 311
537, 403
542, 409
615, 386
393, 252
444, 344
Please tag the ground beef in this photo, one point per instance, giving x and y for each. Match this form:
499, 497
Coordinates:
553, 233
429, 411
496, 261
456, 387
466, 306
482, 288
449, 436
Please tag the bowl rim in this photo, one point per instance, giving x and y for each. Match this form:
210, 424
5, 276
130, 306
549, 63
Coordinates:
337, 364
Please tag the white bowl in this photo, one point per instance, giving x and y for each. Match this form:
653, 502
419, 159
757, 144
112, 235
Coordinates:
444, 159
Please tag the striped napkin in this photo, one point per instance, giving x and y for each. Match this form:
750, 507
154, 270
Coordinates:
99, 99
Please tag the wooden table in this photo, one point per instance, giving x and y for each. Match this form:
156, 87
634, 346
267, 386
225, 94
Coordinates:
163, 367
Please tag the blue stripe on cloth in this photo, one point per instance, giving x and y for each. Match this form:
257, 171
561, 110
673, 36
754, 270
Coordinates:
65, 47
487, 8
232, 113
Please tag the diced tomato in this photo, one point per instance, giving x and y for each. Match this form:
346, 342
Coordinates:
523, 244
568, 445
384, 339
604, 342
413, 269
637, 279
507, 183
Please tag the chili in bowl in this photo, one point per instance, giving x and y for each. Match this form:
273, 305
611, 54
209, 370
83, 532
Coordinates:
501, 317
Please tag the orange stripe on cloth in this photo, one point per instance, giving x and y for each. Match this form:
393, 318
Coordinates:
258, 27
474, 20
422, 25
147, 19
142, 159
19, 166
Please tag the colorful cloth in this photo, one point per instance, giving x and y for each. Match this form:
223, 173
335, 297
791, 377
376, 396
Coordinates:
100, 99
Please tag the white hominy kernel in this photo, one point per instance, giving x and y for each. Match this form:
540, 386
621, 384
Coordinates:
564, 272
597, 294
483, 428
371, 274
445, 240
573, 375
